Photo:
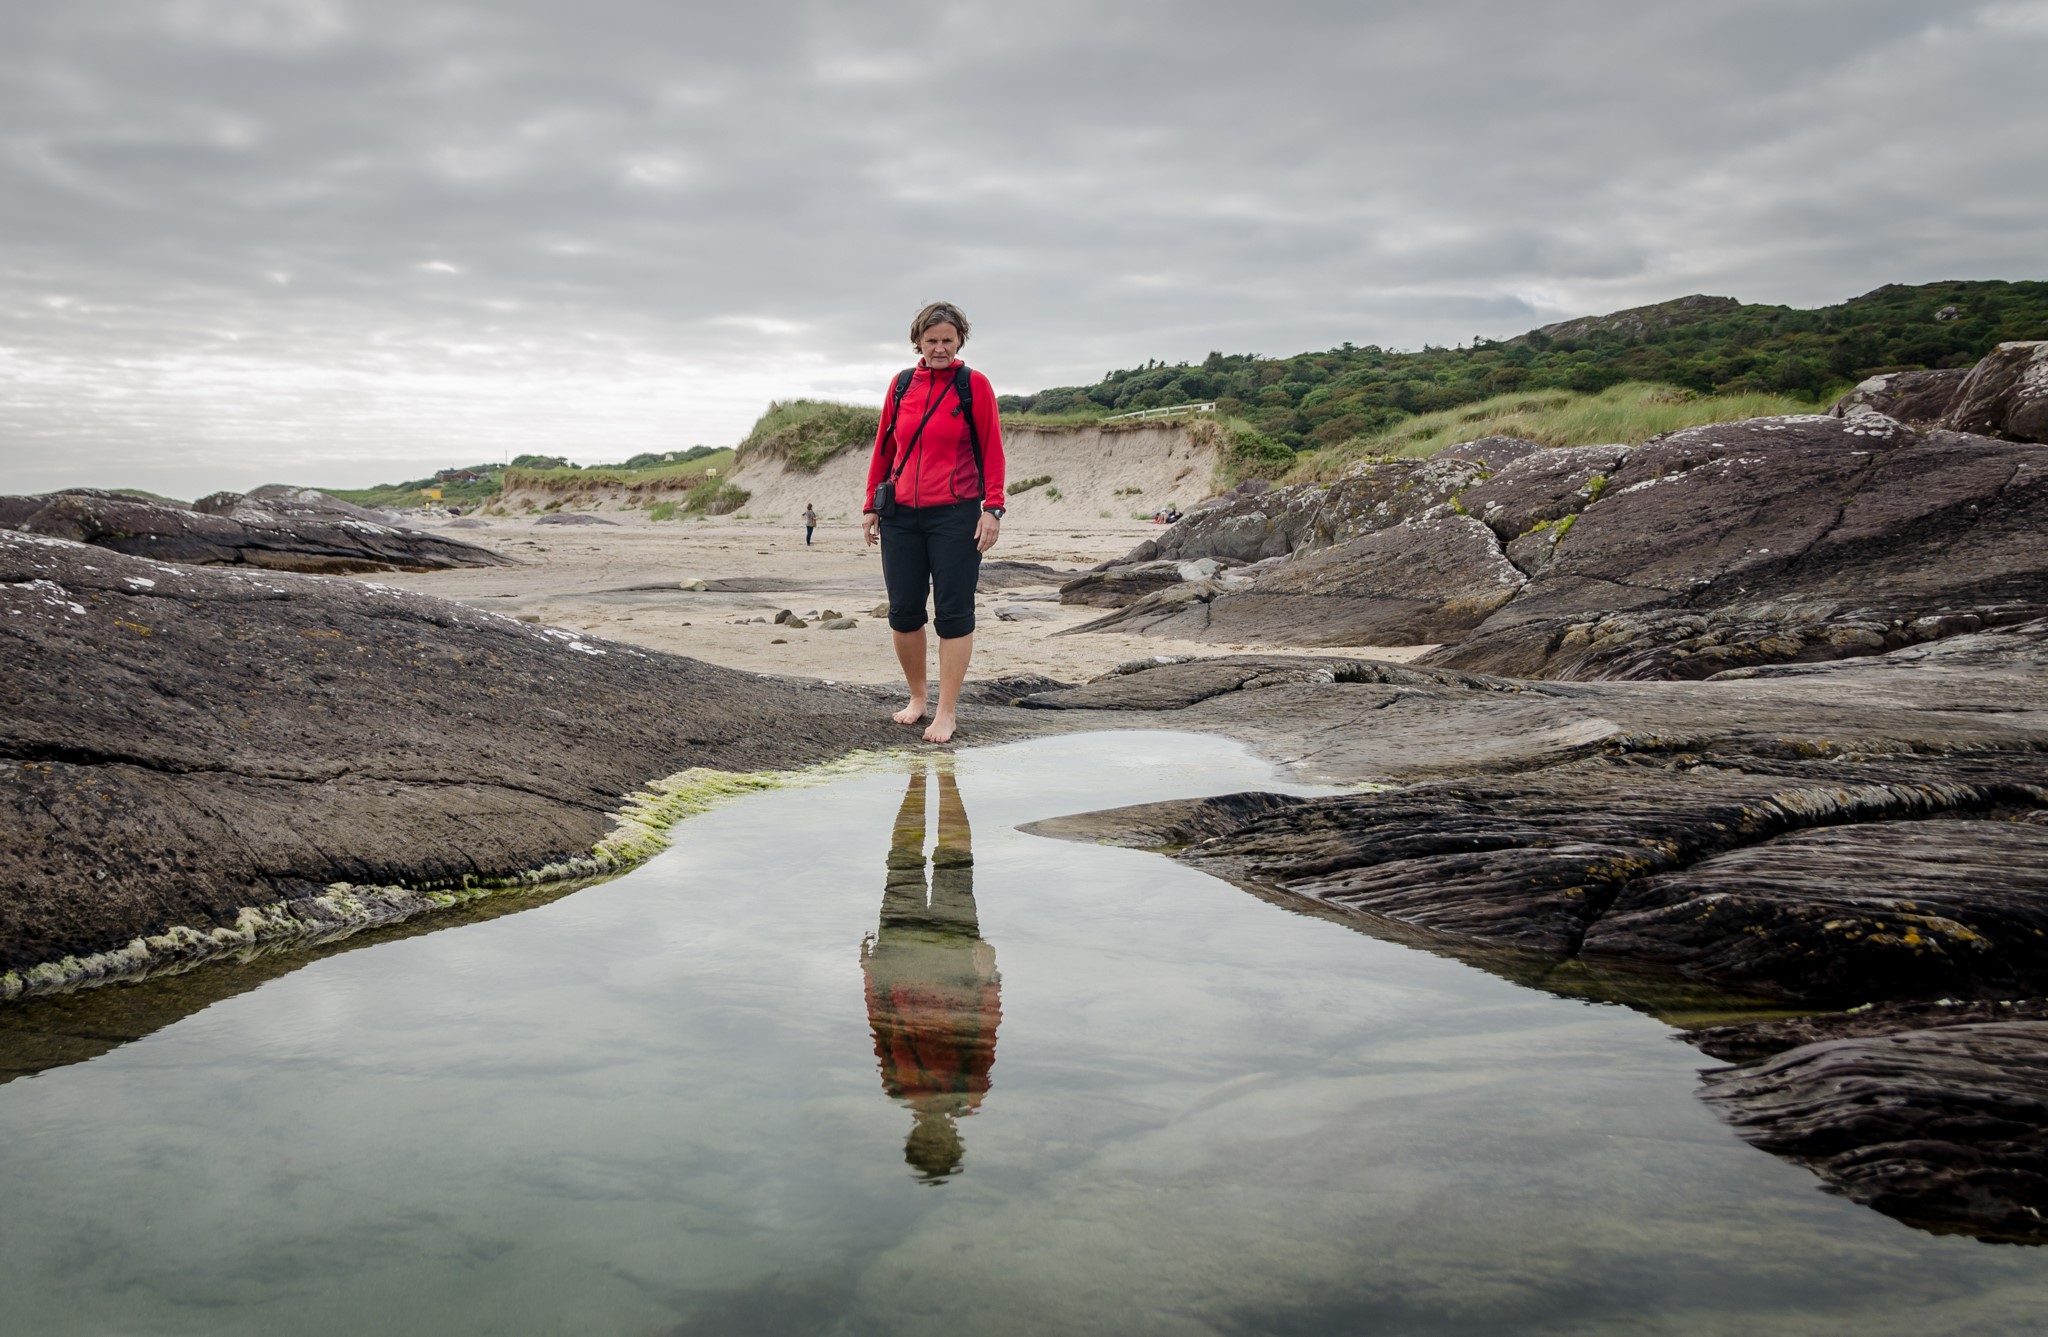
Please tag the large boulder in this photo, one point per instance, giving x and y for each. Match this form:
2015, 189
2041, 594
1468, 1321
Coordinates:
1119, 586
281, 501
2005, 395
276, 529
1371, 496
1420, 582
1831, 535
190, 755
1917, 398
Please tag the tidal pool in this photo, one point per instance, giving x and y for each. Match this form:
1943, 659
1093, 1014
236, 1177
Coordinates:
816, 1070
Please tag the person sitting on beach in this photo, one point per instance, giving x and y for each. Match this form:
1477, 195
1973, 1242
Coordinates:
941, 509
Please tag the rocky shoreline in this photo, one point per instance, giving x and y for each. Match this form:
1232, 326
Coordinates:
1814, 782
201, 758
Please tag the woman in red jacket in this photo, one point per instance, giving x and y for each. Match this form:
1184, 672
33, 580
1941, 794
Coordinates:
943, 462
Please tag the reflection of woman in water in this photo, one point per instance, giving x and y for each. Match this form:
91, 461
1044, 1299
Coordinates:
934, 997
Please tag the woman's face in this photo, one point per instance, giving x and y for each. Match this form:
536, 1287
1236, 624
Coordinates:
938, 344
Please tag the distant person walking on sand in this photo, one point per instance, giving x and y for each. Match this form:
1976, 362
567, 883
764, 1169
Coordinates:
810, 522
935, 504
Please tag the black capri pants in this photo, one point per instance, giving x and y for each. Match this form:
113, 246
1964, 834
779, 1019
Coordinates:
931, 548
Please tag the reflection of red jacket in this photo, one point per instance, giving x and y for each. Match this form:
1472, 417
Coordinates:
941, 465
935, 1039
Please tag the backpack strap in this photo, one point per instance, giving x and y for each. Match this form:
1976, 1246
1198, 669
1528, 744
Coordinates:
896, 410
963, 390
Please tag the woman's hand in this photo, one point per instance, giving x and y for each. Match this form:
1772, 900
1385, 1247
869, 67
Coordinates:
870, 528
986, 532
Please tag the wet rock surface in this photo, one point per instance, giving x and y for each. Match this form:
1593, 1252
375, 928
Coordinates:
1887, 909
1642, 863
275, 528
183, 743
1946, 1129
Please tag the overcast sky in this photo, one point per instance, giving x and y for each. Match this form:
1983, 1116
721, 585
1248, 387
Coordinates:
347, 241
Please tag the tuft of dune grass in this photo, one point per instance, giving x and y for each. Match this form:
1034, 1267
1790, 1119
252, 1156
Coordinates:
808, 432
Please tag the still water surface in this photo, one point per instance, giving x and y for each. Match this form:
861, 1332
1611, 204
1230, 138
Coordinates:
815, 1070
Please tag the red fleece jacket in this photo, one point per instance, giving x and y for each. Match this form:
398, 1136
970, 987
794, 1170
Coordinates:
940, 468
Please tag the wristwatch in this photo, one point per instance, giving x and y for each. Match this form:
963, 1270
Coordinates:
996, 511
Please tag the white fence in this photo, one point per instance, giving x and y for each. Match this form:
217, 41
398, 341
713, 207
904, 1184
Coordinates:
1166, 412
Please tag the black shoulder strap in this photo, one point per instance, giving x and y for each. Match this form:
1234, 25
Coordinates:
896, 409
963, 390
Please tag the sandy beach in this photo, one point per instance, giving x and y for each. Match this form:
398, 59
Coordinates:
624, 581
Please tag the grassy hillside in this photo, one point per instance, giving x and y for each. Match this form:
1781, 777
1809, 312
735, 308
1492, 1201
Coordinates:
1709, 346
1632, 411
403, 496
663, 474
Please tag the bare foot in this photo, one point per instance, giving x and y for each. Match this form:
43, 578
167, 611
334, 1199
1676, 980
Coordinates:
940, 730
911, 713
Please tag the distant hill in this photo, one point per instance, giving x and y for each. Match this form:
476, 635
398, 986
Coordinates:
1708, 345
478, 483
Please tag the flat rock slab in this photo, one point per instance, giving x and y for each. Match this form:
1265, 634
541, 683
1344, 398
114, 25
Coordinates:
275, 529
1946, 1129
1003, 574
1175, 683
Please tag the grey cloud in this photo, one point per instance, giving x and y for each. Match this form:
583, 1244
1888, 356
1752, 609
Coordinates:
216, 218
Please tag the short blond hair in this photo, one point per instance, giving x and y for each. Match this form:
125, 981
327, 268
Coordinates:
938, 313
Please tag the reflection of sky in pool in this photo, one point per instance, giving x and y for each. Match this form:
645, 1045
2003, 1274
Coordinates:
657, 1106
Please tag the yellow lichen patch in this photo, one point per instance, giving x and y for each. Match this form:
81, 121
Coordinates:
135, 627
